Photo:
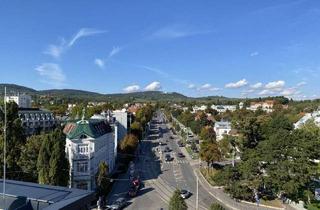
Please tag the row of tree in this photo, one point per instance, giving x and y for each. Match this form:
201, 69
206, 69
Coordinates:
39, 158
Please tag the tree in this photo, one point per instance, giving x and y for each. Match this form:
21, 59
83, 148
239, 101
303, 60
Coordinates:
59, 165
216, 206
15, 138
210, 152
208, 134
136, 129
177, 202
29, 156
129, 144
43, 162
102, 179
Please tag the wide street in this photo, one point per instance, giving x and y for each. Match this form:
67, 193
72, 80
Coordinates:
162, 177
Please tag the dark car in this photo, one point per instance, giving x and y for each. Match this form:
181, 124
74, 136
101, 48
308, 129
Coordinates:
120, 203
180, 155
168, 157
180, 144
167, 149
171, 137
185, 194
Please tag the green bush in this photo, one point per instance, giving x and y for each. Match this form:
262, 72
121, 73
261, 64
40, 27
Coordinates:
216, 206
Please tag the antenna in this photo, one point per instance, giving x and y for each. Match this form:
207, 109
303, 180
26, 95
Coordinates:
4, 147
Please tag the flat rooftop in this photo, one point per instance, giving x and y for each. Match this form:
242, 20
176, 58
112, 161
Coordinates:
43, 196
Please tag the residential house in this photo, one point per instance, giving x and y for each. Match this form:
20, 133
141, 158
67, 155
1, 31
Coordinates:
88, 143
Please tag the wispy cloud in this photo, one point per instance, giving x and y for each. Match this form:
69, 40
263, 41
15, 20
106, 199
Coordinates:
84, 32
100, 62
301, 84
155, 70
51, 74
191, 86
56, 50
153, 86
207, 87
176, 31
254, 53
131, 89
266, 92
257, 85
239, 84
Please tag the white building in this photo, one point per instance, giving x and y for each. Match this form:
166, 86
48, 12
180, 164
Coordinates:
124, 120
199, 108
314, 116
222, 128
266, 106
88, 143
224, 108
23, 101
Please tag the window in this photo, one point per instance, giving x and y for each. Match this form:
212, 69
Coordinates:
83, 149
82, 166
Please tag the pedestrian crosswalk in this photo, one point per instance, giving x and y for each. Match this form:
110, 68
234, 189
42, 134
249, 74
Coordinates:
175, 162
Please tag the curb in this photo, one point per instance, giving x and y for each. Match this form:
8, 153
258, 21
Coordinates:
241, 201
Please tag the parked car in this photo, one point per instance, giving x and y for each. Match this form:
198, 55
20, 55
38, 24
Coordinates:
171, 137
167, 149
168, 157
180, 155
120, 203
185, 194
180, 144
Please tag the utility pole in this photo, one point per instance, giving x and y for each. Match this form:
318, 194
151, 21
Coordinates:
4, 148
197, 198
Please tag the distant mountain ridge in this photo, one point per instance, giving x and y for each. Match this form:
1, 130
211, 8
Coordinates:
93, 96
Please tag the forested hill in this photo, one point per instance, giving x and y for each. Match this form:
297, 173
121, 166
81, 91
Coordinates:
72, 95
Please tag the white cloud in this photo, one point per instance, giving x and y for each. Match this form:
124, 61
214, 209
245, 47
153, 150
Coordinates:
301, 84
155, 70
266, 92
176, 31
254, 53
99, 62
131, 89
83, 32
207, 87
239, 84
290, 92
114, 51
275, 85
56, 50
257, 85
52, 74
154, 86
191, 86
102, 62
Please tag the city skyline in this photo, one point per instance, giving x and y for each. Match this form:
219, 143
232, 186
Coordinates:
196, 49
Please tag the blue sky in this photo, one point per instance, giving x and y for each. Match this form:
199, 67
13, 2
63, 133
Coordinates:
237, 48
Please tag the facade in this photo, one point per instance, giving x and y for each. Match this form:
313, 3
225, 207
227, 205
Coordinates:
224, 108
36, 120
199, 108
23, 101
88, 143
27, 195
266, 106
222, 128
314, 116
123, 119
